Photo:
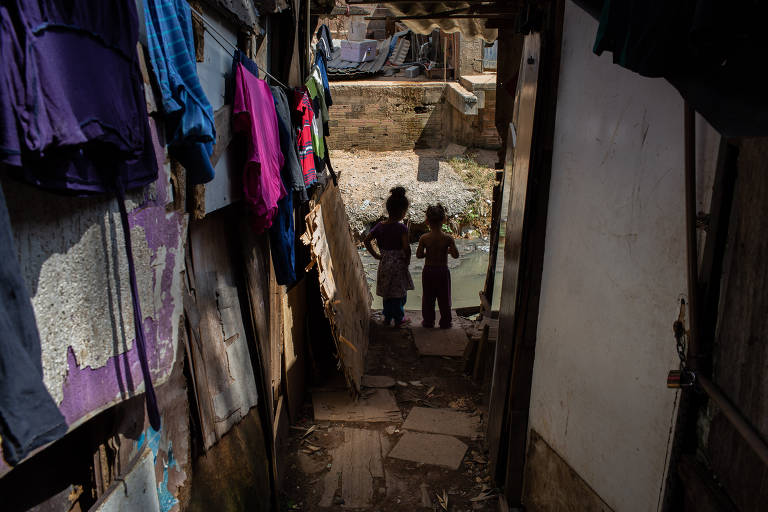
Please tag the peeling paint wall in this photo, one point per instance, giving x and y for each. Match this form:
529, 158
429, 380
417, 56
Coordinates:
72, 254
73, 261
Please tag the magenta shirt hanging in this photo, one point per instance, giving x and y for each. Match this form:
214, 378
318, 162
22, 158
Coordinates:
255, 117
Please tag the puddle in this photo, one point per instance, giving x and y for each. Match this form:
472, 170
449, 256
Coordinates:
467, 275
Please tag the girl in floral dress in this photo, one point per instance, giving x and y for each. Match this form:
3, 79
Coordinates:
393, 279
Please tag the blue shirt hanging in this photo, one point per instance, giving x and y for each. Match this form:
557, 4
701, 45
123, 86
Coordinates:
189, 115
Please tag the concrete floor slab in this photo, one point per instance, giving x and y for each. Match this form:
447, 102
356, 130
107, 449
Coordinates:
442, 421
438, 342
380, 406
434, 449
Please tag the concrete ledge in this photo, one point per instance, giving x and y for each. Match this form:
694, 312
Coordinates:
474, 83
461, 99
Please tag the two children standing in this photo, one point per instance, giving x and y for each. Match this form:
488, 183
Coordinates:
394, 279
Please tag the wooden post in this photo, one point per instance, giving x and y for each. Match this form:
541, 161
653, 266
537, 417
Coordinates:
526, 313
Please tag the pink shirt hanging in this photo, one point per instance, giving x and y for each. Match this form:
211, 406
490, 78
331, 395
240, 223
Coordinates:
255, 116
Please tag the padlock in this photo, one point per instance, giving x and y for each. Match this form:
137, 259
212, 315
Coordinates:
677, 379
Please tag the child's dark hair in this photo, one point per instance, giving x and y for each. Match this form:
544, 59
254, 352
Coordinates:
397, 203
436, 213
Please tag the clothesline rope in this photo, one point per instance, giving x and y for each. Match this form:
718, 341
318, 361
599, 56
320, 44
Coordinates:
211, 27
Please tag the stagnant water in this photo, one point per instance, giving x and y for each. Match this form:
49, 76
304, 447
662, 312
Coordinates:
467, 275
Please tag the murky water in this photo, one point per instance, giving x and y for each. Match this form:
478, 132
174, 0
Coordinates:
467, 275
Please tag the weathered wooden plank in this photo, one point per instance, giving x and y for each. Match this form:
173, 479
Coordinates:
526, 313
702, 492
739, 352
256, 260
222, 352
356, 462
343, 287
198, 369
516, 189
136, 490
294, 336
276, 293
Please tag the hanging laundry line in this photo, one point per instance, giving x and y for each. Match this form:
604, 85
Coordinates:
210, 25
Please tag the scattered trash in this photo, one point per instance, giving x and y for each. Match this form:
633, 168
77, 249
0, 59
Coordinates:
485, 495
430, 391
403, 384
443, 500
391, 430
461, 404
307, 432
479, 459
416, 383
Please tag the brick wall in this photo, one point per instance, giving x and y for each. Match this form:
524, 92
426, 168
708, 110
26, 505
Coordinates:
479, 130
387, 116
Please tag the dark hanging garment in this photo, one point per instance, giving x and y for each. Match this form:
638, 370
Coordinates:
29, 418
281, 234
74, 116
321, 66
188, 114
241, 58
709, 51
293, 178
324, 42
282, 242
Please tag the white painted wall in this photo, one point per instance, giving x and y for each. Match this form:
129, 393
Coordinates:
614, 268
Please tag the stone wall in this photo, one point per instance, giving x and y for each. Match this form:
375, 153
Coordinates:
388, 116
470, 55
478, 130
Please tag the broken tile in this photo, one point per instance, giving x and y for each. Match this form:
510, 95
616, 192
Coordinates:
435, 449
377, 381
339, 406
442, 421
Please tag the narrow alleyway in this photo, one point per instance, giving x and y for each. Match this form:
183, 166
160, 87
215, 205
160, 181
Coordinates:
413, 440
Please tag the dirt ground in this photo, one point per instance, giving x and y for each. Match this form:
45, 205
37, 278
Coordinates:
392, 352
460, 179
